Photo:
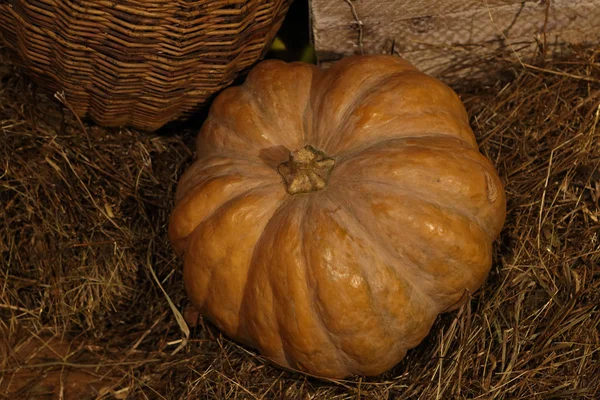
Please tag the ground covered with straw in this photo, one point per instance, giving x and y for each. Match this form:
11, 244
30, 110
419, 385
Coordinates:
90, 289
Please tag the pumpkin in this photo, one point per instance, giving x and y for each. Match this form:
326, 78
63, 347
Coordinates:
331, 215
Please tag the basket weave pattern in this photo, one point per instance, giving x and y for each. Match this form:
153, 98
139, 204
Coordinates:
139, 63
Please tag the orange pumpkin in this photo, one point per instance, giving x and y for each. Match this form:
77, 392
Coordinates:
331, 215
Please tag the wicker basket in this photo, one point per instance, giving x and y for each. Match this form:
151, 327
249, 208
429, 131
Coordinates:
139, 63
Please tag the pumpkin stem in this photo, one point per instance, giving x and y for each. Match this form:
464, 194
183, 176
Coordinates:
306, 171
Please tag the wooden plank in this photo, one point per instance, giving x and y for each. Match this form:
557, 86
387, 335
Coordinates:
437, 34
394, 10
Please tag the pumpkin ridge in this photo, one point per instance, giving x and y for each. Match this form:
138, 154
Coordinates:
183, 188
430, 109
277, 313
284, 342
241, 237
344, 155
195, 179
260, 108
354, 365
229, 200
459, 158
261, 118
235, 158
308, 116
224, 153
440, 204
219, 117
471, 153
263, 109
252, 266
203, 144
312, 288
349, 109
368, 231
203, 290
415, 270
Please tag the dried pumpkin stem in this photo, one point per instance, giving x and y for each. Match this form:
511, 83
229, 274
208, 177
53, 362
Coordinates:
306, 171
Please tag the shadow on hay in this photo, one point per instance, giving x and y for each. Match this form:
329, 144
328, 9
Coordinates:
84, 221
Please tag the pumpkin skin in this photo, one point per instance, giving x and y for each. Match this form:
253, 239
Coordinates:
331, 215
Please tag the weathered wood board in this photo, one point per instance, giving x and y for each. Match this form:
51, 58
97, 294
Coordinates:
439, 35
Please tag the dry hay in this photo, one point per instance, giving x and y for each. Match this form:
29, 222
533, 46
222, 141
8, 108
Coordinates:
84, 229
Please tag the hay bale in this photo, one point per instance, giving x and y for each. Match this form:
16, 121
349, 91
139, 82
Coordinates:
43, 365
84, 224
79, 203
